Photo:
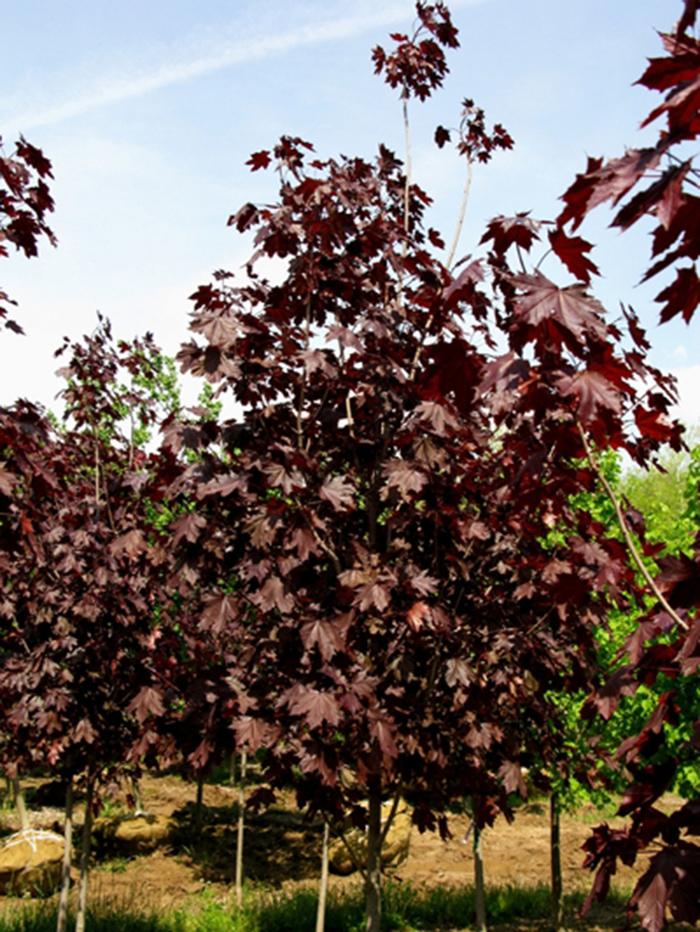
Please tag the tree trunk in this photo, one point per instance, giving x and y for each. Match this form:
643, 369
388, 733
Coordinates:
373, 880
137, 797
479, 892
85, 857
62, 916
240, 830
20, 804
555, 851
199, 802
323, 886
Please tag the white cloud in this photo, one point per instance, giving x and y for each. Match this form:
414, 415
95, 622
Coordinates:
688, 408
680, 352
120, 87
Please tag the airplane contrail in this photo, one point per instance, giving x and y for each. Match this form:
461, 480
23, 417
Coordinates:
226, 56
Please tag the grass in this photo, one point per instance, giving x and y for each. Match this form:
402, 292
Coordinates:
406, 908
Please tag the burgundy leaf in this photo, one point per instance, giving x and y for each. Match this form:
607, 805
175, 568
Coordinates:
147, 702
571, 250
339, 491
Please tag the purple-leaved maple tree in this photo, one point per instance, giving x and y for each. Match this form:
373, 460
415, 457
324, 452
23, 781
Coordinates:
82, 579
371, 537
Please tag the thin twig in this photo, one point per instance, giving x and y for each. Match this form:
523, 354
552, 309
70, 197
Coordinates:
409, 169
521, 259
358, 865
462, 213
327, 549
390, 819
628, 534
302, 387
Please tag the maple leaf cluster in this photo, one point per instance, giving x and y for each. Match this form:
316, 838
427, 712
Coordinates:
663, 650
25, 200
655, 181
475, 143
417, 65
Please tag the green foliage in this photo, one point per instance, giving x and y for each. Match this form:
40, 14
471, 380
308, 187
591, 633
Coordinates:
211, 407
692, 488
667, 497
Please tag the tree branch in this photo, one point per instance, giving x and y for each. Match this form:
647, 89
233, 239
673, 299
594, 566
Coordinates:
629, 539
462, 213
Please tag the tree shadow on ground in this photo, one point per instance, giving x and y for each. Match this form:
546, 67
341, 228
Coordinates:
278, 845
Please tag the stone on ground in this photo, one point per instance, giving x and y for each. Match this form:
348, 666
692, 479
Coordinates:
30, 862
394, 850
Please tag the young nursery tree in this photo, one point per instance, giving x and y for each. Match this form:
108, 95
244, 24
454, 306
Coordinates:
370, 534
81, 585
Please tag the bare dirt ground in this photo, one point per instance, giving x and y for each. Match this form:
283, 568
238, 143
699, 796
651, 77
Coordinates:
282, 851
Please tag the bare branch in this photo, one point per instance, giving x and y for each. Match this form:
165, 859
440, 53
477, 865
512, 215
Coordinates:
629, 539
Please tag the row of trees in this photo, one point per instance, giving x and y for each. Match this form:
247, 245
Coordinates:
383, 572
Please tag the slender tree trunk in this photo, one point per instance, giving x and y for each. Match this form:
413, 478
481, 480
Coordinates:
20, 804
240, 831
323, 886
555, 850
85, 857
479, 892
373, 880
62, 916
137, 797
199, 802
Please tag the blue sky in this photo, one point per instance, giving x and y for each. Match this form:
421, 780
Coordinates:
149, 111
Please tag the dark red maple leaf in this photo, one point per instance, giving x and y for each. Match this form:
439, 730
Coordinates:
7, 481
605, 181
682, 296
505, 232
404, 476
442, 136
670, 882
315, 706
328, 636
654, 423
664, 198
571, 250
147, 702
34, 157
594, 393
189, 526
218, 613
383, 731
131, 543
511, 774
572, 309
257, 161
339, 491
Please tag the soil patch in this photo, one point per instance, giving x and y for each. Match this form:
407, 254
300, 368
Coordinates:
282, 849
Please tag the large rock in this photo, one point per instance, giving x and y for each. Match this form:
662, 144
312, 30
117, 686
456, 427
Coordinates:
30, 862
132, 834
394, 850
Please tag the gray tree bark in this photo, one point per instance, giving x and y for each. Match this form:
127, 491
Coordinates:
62, 915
